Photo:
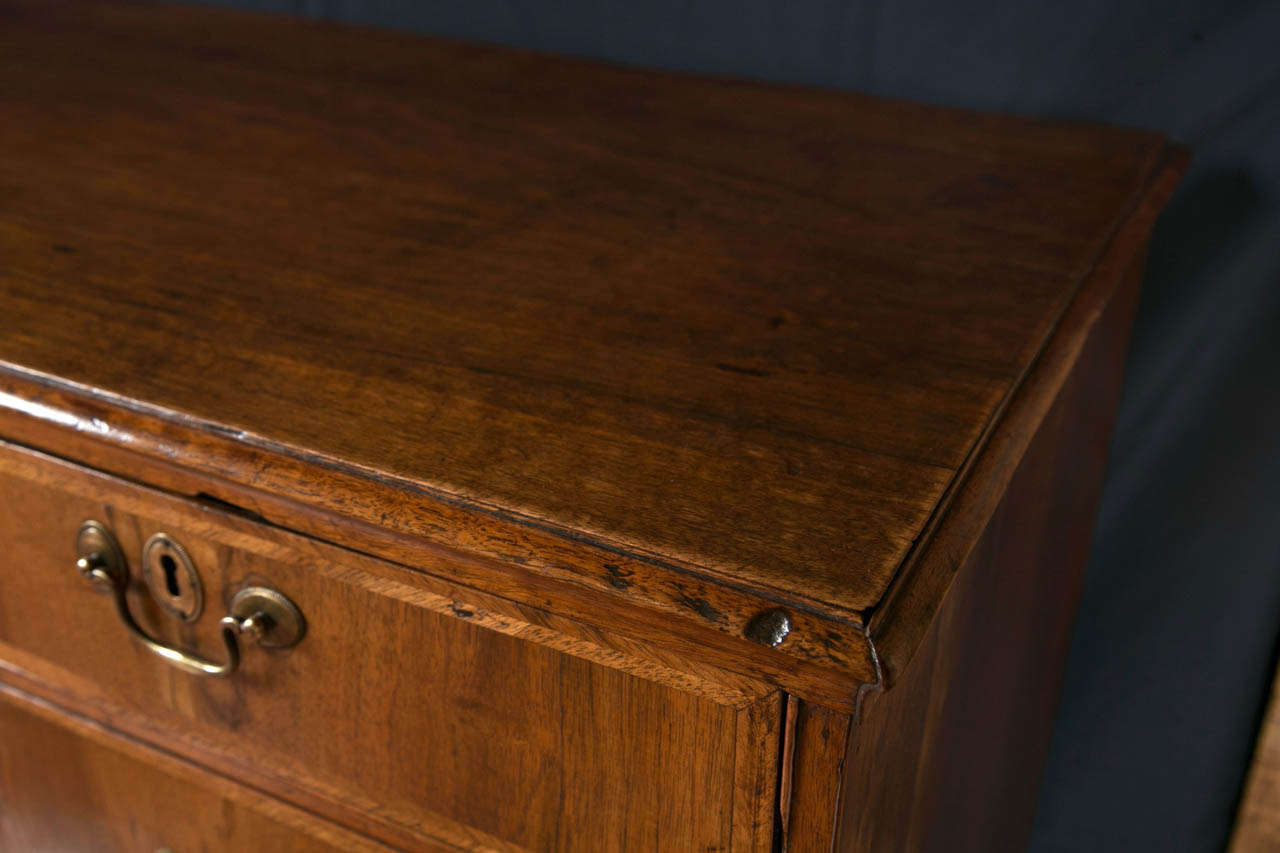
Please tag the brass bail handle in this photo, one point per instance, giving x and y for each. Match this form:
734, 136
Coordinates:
256, 612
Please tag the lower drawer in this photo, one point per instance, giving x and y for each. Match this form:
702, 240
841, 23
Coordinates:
67, 784
399, 714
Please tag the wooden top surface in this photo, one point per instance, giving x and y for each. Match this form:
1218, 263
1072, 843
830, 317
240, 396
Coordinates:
753, 332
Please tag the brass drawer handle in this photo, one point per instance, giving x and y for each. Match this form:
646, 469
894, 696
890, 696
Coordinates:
257, 612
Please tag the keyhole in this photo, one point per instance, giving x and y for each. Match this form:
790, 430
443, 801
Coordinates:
171, 577
170, 567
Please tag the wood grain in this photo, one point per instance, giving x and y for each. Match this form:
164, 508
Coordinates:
1098, 318
532, 381
755, 797
68, 784
822, 660
1257, 828
817, 740
745, 336
947, 756
415, 714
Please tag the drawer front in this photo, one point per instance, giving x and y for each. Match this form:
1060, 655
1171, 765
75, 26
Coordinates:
66, 784
415, 726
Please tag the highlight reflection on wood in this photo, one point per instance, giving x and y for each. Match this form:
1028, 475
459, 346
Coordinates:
659, 462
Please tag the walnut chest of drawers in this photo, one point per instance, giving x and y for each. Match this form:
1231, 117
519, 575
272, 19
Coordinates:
416, 445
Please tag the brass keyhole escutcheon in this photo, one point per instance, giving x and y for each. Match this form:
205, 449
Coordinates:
172, 578
256, 613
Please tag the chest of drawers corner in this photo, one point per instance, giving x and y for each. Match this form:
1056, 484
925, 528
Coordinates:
415, 445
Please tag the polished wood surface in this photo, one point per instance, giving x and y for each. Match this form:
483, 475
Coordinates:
1093, 321
700, 345
415, 717
1258, 821
68, 784
813, 756
821, 660
948, 756
532, 381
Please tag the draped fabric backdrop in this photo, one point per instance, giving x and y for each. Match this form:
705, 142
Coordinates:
1178, 630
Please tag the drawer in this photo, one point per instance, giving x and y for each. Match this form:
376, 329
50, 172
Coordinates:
399, 713
67, 784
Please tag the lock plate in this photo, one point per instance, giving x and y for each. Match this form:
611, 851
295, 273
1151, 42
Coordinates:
172, 578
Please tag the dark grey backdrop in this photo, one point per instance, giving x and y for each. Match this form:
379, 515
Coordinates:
1178, 630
